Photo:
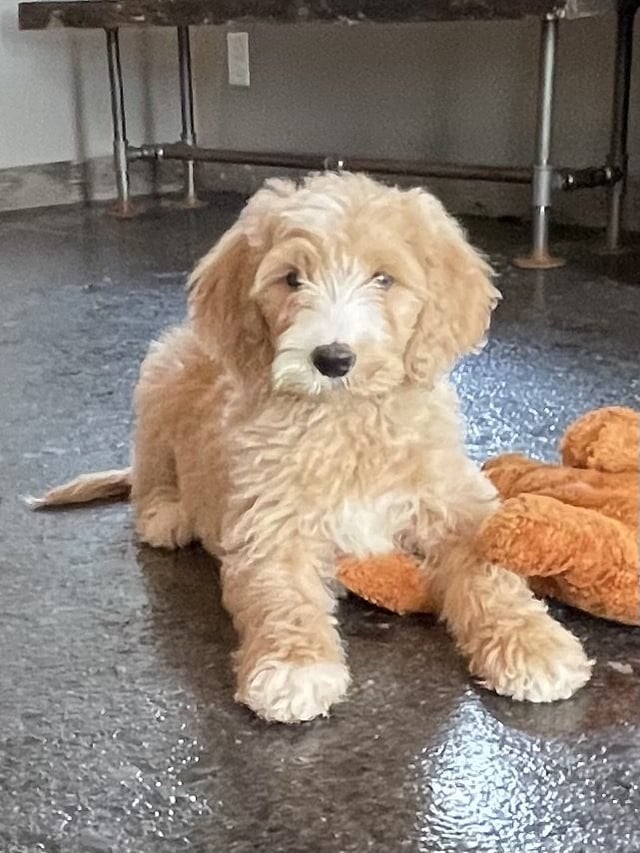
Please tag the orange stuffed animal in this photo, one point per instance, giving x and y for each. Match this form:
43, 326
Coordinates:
572, 529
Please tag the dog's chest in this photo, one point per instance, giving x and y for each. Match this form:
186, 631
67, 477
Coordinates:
363, 527
365, 456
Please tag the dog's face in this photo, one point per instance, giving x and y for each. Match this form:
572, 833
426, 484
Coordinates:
342, 285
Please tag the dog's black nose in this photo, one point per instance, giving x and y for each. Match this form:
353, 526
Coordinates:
333, 360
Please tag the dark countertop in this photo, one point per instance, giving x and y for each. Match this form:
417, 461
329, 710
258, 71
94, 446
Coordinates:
43, 14
119, 732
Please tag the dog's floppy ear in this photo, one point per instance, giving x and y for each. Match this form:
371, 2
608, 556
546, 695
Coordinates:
458, 296
228, 325
226, 320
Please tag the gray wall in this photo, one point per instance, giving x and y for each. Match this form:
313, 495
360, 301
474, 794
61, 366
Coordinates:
446, 91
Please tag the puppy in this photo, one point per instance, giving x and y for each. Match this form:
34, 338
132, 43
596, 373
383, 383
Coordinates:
303, 410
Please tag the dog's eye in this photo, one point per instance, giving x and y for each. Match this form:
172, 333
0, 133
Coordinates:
383, 280
293, 280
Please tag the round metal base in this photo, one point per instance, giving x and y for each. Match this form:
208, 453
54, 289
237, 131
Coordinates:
124, 210
538, 262
186, 203
607, 251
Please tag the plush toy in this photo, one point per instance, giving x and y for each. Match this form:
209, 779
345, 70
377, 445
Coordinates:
572, 529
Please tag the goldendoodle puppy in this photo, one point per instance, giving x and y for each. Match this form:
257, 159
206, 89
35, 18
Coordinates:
303, 410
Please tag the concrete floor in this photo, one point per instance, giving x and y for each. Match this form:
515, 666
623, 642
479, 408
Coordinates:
119, 732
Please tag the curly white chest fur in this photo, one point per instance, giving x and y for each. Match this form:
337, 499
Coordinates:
368, 527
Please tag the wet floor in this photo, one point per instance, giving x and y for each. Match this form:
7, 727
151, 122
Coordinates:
118, 729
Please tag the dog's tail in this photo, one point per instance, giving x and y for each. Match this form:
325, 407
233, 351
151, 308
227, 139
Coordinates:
87, 487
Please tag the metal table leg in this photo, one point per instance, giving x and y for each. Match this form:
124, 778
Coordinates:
542, 169
618, 157
123, 208
188, 134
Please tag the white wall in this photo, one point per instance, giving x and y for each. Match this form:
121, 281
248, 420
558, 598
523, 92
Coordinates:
54, 92
461, 91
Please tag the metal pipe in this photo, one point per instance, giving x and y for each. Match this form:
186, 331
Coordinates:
542, 170
618, 158
587, 178
188, 134
562, 179
123, 207
180, 151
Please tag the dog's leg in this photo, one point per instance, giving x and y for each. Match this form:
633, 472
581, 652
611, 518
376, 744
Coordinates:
160, 518
513, 645
290, 662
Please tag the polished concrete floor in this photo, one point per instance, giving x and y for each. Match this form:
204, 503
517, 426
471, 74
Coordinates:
119, 732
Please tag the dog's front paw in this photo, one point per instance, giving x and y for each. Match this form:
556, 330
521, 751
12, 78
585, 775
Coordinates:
164, 524
538, 662
286, 692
